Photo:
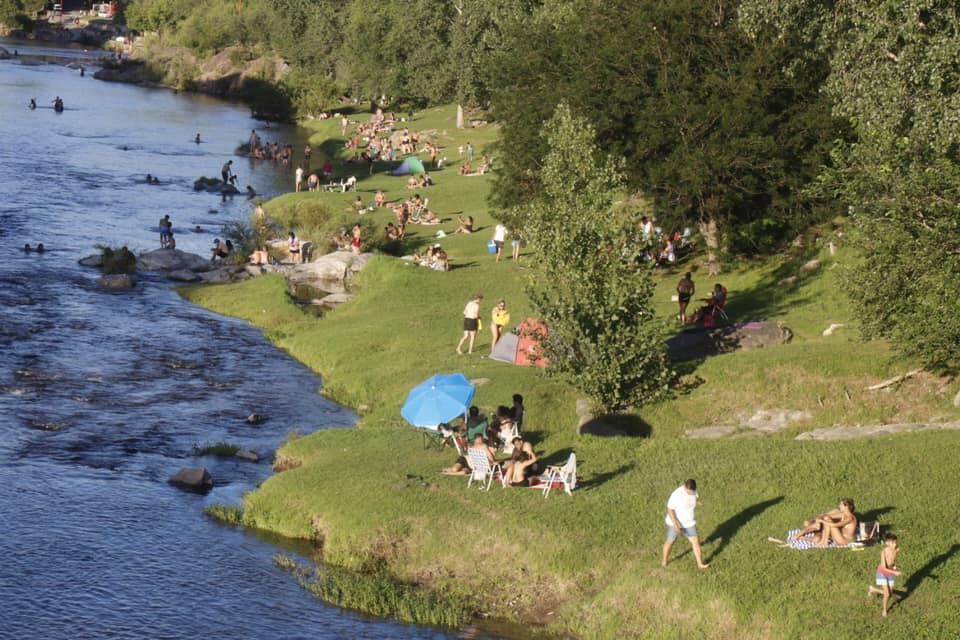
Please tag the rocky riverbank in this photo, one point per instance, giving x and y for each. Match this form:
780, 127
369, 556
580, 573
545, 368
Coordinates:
233, 73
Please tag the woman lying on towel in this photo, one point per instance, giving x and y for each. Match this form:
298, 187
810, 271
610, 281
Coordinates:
838, 526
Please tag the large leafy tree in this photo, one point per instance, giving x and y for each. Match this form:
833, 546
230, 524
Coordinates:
709, 124
894, 75
586, 283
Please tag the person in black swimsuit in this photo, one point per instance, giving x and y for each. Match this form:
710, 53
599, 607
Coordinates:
685, 291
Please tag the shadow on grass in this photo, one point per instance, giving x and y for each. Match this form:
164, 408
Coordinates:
727, 529
599, 479
557, 458
927, 571
874, 515
773, 295
617, 425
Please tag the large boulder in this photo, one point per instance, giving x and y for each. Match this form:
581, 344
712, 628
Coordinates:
214, 185
224, 274
116, 281
700, 343
193, 479
172, 260
182, 275
4, 54
249, 456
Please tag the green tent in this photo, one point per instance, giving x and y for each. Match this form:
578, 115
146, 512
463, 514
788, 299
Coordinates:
410, 165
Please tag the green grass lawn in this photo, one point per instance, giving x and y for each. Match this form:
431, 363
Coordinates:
589, 564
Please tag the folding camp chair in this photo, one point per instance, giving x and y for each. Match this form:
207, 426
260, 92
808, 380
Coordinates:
481, 469
868, 532
565, 475
508, 439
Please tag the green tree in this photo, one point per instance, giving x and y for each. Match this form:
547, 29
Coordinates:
587, 283
894, 75
710, 126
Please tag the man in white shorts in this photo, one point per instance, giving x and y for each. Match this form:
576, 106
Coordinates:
681, 519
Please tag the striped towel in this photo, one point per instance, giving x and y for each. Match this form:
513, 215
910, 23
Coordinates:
809, 542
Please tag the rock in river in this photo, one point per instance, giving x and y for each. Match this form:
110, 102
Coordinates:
193, 479
95, 260
182, 275
116, 281
172, 260
251, 456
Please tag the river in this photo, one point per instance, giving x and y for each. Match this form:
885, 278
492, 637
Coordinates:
104, 395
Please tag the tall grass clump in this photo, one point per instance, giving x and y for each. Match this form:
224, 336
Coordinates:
219, 449
378, 594
226, 513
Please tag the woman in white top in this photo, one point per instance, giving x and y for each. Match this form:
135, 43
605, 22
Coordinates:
471, 323
499, 236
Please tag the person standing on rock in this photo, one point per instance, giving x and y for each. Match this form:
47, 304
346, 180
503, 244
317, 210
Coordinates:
682, 519
225, 172
293, 246
166, 230
355, 239
471, 323
299, 179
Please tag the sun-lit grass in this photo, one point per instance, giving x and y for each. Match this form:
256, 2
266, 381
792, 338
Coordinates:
589, 563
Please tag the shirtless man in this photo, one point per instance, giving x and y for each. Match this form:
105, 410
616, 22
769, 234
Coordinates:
518, 468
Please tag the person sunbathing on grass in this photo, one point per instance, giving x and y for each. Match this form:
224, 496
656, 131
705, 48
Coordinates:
839, 525
462, 466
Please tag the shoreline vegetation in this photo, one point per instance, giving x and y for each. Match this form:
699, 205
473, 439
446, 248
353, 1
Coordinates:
588, 564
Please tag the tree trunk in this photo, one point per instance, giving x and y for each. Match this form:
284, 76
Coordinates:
708, 229
459, 116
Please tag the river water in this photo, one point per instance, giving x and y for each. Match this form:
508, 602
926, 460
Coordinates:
104, 395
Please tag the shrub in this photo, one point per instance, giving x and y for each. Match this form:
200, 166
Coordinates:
119, 260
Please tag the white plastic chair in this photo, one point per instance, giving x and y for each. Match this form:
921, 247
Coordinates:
480, 468
567, 474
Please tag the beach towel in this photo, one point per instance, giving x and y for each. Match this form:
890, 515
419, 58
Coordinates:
808, 542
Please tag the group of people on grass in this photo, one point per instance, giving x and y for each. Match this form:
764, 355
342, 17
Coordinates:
838, 526
712, 307
412, 210
434, 258
499, 319
499, 435
662, 248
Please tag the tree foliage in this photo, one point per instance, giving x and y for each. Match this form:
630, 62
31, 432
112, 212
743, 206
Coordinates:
420, 51
587, 283
710, 126
894, 75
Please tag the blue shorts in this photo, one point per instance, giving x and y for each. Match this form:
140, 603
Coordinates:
884, 581
689, 532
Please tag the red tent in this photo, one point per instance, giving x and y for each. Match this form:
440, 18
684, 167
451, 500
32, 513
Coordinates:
529, 351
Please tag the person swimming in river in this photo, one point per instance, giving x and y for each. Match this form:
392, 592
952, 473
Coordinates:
58, 104
33, 104
197, 139
27, 248
151, 179
251, 194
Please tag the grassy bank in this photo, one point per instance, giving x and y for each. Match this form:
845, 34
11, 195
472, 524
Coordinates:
589, 564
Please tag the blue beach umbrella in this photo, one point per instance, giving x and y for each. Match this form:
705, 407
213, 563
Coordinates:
440, 398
